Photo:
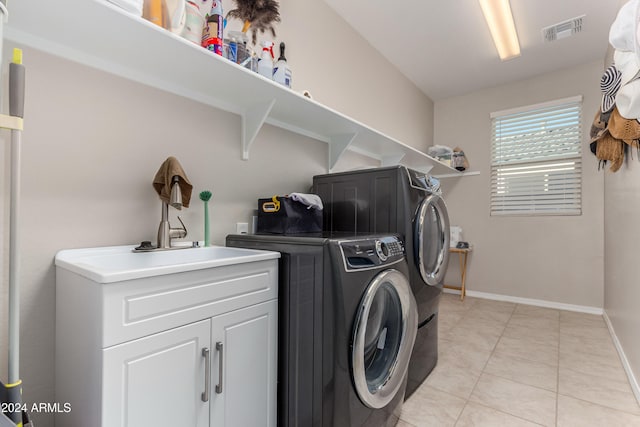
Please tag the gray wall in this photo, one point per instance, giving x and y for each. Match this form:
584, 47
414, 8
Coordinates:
557, 258
93, 142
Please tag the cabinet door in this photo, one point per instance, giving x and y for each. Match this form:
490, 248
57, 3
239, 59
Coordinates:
158, 380
244, 346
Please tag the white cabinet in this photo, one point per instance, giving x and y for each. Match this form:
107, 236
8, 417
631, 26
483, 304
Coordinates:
164, 376
193, 348
158, 380
244, 350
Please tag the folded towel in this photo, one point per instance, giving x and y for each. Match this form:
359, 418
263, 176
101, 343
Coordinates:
164, 177
313, 201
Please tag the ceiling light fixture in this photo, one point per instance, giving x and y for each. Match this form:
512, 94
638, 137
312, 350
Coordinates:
498, 15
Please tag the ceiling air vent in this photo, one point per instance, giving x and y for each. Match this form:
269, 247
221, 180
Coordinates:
563, 29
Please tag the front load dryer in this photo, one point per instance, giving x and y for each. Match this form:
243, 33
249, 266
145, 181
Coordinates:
347, 326
398, 200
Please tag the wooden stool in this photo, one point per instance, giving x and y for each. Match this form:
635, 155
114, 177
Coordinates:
462, 256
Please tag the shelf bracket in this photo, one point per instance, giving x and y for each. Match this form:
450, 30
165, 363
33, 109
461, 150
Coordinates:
252, 120
337, 147
392, 159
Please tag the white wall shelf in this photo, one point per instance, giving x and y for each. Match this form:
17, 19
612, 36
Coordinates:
457, 174
101, 35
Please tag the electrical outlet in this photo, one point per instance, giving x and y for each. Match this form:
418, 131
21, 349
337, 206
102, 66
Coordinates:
242, 227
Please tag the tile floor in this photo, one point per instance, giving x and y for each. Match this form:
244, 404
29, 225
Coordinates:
505, 364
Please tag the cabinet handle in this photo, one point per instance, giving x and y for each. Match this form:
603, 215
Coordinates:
220, 349
207, 374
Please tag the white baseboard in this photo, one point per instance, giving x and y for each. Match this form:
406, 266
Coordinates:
531, 301
625, 362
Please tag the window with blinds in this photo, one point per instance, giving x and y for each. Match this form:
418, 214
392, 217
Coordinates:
536, 166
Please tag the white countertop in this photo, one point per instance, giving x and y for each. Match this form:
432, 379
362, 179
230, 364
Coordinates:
119, 263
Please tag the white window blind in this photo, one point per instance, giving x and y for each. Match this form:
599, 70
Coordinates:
536, 166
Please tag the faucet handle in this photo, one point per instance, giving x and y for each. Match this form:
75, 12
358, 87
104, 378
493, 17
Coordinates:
180, 232
184, 227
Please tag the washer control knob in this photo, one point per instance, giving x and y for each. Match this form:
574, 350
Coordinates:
382, 250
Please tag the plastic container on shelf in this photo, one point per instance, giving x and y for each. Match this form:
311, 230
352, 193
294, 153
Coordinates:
194, 23
244, 54
230, 50
177, 15
156, 11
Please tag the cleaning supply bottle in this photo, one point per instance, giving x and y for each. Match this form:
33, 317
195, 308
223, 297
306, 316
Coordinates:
156, 11
212, 33
265, 65
194, 23
281, 70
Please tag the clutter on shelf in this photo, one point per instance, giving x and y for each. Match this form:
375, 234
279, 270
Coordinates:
202, 22
459, 160
453, 157
615, 130
441, 153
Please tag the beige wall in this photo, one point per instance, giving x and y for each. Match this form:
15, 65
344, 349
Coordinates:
622, 232
621, 289
558, 258
93, 142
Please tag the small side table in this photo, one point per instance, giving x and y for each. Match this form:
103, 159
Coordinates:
462, 256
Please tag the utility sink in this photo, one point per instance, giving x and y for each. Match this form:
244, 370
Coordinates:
119, 263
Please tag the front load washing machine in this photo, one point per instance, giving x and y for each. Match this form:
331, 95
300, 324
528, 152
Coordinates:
347, 326
398, 200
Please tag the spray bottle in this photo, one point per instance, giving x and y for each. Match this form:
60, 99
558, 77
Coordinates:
265, 65
281, 71
212, 33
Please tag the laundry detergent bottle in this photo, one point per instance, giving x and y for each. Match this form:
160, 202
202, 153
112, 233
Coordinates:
265, 65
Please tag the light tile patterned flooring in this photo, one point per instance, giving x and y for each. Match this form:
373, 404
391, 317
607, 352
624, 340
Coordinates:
505, 364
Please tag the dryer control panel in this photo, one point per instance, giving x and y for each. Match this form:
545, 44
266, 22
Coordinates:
372, 252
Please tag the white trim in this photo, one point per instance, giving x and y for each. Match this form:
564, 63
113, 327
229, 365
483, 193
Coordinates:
623, 358
577, 98
456, 175
531, 301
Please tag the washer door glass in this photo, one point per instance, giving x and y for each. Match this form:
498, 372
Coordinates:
432, 240
383, 336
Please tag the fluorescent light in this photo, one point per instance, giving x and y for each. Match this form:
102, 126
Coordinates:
498, 15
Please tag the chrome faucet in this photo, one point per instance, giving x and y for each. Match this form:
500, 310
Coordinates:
165, 231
